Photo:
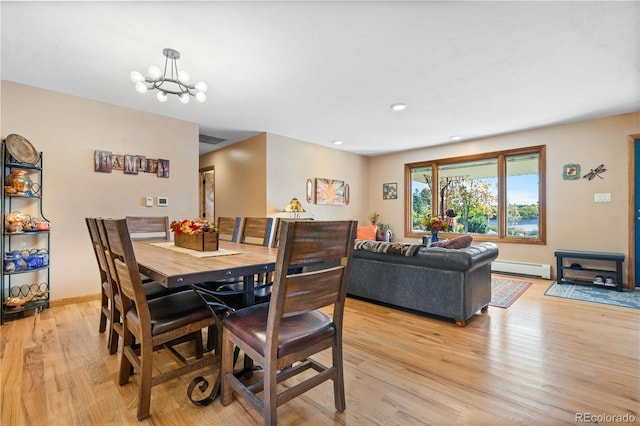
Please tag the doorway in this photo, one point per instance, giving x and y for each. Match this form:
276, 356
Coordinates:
207, 207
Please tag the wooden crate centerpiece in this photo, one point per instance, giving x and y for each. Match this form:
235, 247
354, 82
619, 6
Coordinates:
201, 241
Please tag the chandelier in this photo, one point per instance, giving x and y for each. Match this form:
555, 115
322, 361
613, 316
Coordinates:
171, 81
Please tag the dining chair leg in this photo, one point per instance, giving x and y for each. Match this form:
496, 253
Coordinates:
125, 364
338, 382
113, 334
271, 398
146, 370
104, 307
226, 369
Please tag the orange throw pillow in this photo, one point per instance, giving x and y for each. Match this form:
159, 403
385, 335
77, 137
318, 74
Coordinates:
367, 232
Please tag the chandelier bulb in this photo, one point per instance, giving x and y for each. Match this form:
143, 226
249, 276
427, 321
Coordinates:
183, 76
136, 76
184, 98
141, 87
201, 97
201, 86
161, 96
154, 72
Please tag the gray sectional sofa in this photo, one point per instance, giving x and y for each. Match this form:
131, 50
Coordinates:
450, 283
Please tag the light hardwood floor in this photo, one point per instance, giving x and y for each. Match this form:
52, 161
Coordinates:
539, 362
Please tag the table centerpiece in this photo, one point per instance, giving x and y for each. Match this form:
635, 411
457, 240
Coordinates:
196, 234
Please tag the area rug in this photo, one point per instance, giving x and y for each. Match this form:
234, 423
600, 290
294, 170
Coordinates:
505, 291
626, 298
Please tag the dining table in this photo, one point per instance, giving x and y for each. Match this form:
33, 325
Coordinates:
173, 266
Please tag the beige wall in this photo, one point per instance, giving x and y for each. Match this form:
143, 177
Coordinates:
240, 177
67, 130
260, 175
290, 162
574, 220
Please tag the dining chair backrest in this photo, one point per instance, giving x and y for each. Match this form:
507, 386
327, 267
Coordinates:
324, 250
228, 228
148, 227
257, 231
126, 267
278, 226
92, 226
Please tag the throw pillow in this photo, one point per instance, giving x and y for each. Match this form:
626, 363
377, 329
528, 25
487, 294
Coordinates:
457, 243
367, 232
401, 249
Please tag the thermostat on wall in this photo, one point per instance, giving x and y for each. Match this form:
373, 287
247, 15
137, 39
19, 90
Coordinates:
162, 201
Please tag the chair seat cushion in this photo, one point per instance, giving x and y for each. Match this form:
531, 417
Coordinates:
296, 332
173, 311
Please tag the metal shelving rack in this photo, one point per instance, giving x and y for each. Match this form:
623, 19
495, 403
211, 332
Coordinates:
23, 283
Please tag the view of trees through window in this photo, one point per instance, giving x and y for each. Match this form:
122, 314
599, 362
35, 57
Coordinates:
466, 194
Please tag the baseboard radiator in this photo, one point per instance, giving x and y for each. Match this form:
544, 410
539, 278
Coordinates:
522, 268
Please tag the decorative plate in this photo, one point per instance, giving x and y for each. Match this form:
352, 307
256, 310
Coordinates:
21, 149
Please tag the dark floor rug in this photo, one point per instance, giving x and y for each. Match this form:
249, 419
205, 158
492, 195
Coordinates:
505, 291
626, 298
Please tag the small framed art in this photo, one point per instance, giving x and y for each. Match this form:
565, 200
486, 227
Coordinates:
571, 171
390, 191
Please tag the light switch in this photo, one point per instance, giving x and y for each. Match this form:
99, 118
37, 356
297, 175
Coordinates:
604, 197
162, 201
149, 202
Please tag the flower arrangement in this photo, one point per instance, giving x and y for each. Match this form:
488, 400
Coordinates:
434, 224
191, 227
373, 217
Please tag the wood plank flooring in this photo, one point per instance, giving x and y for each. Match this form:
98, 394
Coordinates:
539, 362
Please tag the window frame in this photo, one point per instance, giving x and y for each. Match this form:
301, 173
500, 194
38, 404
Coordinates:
501, 157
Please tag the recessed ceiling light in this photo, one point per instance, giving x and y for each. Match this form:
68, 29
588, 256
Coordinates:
456, 138
337, 142
398, 107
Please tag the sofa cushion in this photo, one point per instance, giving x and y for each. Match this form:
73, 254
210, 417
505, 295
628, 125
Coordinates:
388, 248
367, 232
462, 241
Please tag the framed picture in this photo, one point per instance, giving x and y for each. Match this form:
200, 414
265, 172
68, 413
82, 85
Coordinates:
102, 161
117, 162
163, 168
329, 191
571, 171
390, 191
309, 191
130, 165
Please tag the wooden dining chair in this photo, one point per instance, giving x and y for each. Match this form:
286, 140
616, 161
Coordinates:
152, 324
228, 228
148, 227
108, 312
282, 335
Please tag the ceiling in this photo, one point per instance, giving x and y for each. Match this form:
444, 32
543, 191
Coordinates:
321, 71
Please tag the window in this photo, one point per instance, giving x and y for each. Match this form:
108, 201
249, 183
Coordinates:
497, 196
